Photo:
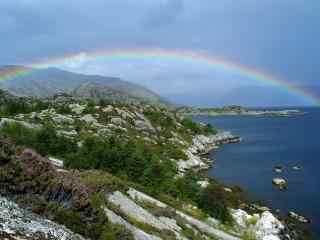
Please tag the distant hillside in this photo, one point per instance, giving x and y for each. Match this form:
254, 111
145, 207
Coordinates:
50, 81
99, 91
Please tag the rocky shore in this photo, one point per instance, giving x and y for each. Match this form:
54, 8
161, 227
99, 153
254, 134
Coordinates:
290, 227
201, 146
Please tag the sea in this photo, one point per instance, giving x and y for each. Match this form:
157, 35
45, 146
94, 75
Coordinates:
269, 142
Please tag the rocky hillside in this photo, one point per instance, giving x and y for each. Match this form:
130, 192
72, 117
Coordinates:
98, 91
50, 81
77, 169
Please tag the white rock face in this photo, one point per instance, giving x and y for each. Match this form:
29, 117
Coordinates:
271, 237
136, 195
172, 223
265, 226
56, 162
88, 118
77, 108
71, 133
203, 184
118, 121
268, 227
298, 217
133, 210
137, 233
62, 119
201, 144
193, 161
124, 114
21, 224
241, 218
206, 228
144, 125
108, 109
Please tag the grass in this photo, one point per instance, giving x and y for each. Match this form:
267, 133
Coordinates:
248, 235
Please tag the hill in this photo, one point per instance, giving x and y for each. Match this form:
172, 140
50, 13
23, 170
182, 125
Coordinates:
116, 171
50, 81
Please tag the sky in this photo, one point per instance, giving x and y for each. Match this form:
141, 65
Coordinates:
280, 38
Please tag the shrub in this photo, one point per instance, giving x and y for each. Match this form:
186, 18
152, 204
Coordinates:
191, 125
213, 200
196, 128
44, 140
19, 134
47, 141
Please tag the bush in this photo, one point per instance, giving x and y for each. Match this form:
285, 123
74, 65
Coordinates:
44, 140
196, 128
191, 125
213, 200
19, 134
47, 142
13, 106
158, 118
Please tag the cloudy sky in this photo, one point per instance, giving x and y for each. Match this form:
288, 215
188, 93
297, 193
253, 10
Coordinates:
279, 37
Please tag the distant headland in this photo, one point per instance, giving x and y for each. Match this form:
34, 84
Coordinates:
237, 110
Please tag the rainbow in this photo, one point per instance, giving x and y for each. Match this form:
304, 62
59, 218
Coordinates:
191, 57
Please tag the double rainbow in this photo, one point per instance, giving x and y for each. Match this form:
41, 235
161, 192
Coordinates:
175, 56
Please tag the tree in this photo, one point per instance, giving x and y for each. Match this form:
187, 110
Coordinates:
214, 201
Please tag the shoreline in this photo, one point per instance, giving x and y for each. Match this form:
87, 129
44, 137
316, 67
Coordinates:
200, 148
239, 111
294, 223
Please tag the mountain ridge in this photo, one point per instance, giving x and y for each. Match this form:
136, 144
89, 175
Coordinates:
50, 81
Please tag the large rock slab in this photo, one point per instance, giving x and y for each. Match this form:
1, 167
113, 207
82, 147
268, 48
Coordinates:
88, 118
268, 227
136, 195
137, 233
202, 226
133, 210
206, 228
62, 119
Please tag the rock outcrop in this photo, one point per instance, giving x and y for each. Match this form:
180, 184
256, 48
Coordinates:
262, 226
201, 145
17, 223
280, 183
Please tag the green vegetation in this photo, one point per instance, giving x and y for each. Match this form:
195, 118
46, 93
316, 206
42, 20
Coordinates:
215, 201
143, 164
11, 107
45, 140
133, 160
158, 118
195, 128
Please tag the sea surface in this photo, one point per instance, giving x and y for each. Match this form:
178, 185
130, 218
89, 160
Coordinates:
267, 142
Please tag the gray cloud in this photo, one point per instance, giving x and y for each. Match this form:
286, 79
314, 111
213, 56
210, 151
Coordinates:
164, 13
279, 37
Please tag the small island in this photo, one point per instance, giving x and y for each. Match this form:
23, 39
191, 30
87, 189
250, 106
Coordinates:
236, 111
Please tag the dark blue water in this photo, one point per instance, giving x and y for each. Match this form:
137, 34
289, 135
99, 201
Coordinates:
270, 141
